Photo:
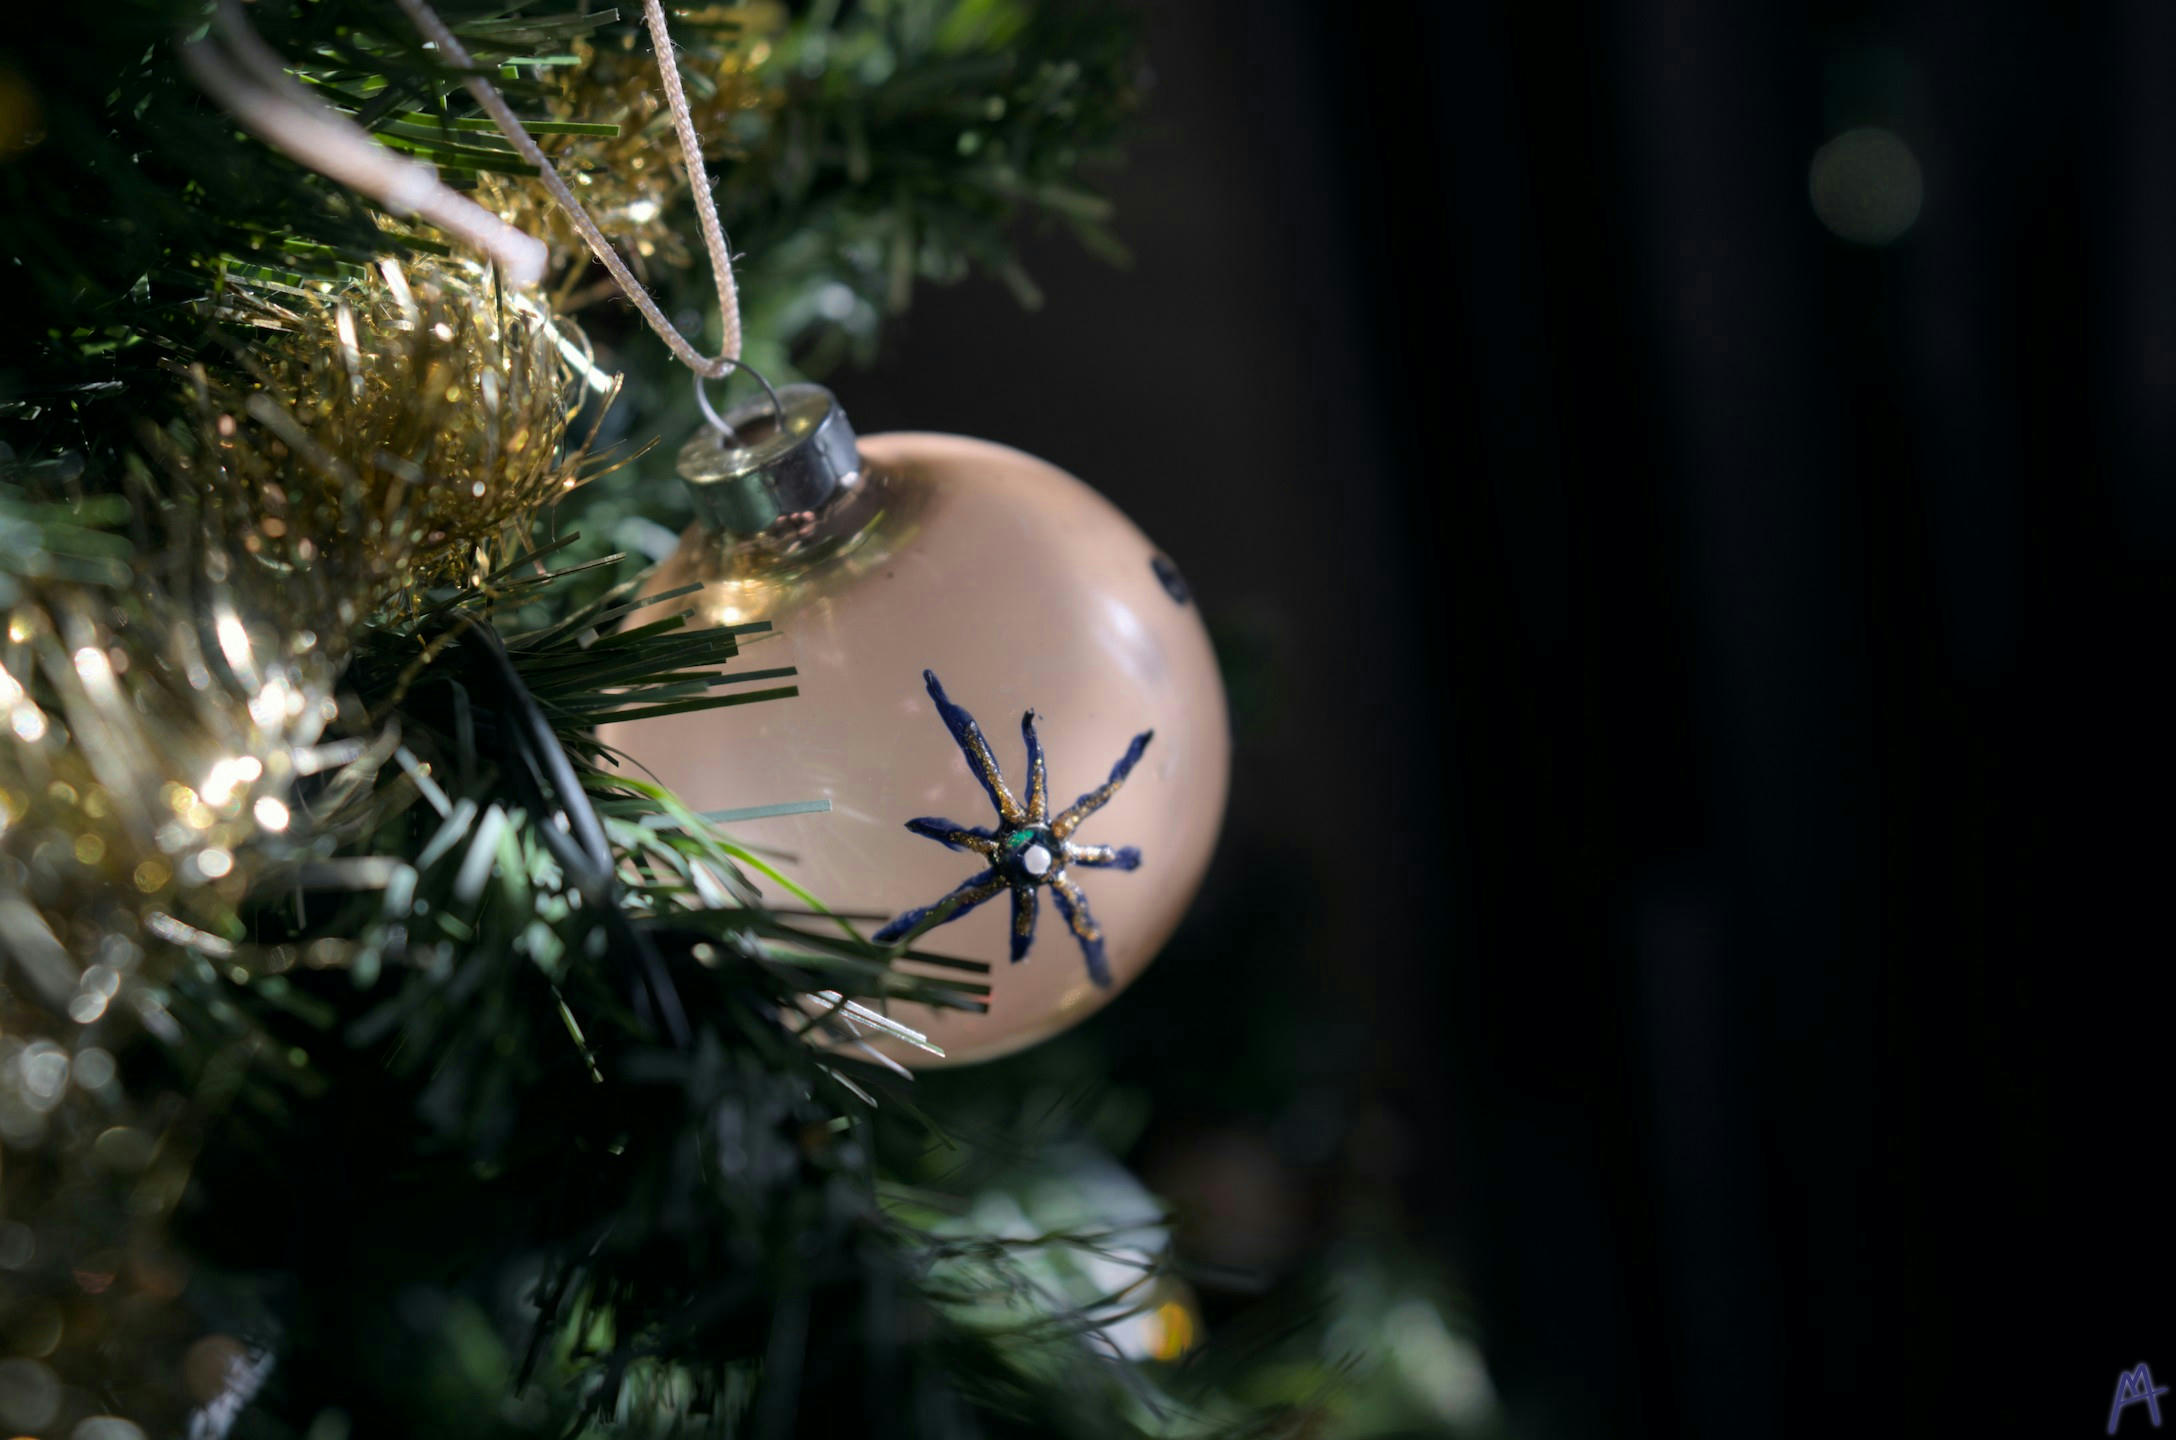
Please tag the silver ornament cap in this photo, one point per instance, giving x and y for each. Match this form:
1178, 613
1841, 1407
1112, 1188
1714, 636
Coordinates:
771, 461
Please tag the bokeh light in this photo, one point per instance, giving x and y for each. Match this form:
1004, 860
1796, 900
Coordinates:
1866, 186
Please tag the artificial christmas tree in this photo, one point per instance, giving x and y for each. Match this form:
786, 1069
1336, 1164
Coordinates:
378, 1056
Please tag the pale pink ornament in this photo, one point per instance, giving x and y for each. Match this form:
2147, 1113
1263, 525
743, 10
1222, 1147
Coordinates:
1020, 589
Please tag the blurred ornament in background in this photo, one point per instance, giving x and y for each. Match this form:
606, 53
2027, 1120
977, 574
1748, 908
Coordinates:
1069, 1238
878, 560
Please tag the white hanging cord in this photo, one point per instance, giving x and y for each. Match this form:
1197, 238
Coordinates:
250, 79
721, 259
691, 153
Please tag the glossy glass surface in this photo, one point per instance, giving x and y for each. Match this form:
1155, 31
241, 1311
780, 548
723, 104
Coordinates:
1020, 587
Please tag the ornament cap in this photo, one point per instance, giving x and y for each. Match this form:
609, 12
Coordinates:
771, 462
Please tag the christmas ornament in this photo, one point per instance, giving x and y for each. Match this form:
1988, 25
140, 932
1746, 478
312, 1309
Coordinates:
911, 579
920, 554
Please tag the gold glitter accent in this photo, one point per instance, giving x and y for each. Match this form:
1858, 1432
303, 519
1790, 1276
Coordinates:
1077, 918
977, 748
1038, 773
1069, 820
966, 899
968, 840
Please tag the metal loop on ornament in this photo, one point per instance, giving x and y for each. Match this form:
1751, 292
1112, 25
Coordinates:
717, 421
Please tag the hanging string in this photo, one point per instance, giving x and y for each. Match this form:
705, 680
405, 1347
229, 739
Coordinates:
251, 81
236, 67
487, 95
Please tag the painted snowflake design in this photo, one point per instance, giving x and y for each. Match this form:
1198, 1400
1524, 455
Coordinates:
1030, 848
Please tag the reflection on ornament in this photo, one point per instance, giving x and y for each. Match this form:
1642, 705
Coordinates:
1029, 849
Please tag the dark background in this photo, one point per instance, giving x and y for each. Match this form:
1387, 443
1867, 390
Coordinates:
1699, 832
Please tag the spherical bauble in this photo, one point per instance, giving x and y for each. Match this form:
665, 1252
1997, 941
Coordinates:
979, 639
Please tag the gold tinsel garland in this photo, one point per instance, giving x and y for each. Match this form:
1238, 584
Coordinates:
379, 440
368, 442
631, 181
359, 445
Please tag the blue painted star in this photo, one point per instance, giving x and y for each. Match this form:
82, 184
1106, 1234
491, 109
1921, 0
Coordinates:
1029, 849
